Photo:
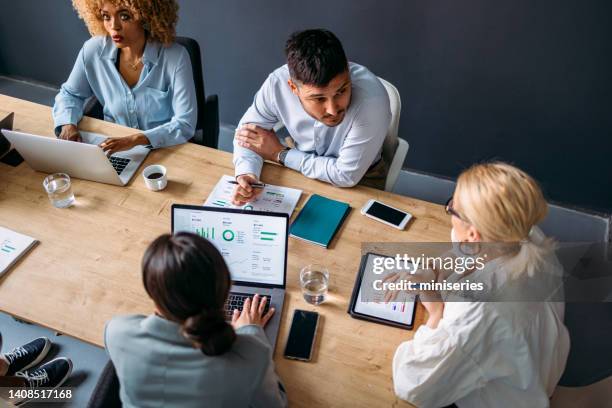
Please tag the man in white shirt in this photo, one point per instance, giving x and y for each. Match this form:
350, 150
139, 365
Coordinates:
336, 112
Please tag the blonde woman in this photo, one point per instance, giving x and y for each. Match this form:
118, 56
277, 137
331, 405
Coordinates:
132, 65
485, 354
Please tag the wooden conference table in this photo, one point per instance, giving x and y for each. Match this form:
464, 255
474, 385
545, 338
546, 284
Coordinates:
86, 268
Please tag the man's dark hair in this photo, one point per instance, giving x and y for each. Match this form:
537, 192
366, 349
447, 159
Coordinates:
315, 57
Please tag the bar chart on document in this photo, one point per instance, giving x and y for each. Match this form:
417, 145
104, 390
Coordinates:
12, 246
272, 198
253, 246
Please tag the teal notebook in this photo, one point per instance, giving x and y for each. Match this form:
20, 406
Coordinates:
319, 220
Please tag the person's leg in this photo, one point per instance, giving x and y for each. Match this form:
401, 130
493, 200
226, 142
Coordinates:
24, 357
19, 359
4, 365
8, 383
50, 375
11, 382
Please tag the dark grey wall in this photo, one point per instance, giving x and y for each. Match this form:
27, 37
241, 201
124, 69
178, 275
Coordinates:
520, 80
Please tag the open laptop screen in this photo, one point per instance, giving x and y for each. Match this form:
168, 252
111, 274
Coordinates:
253, 244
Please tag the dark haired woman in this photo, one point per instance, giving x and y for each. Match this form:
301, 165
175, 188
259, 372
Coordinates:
186, 354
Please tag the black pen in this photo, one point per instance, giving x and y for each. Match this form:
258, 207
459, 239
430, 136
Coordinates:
255, 185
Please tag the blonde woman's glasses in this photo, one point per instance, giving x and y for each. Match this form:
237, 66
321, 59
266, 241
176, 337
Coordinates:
451, 211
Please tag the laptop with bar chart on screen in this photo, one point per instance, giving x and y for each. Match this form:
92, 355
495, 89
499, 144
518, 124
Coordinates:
254, 246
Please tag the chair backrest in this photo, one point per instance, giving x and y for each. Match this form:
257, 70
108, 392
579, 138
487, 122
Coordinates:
193, 48
590, 357
5, 123
568, 224
207, 127
106, 393
424, 186
390, 143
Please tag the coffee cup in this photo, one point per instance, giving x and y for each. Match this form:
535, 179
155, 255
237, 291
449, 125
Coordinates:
155, 177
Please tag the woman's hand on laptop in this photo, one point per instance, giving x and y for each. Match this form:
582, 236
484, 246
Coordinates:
252, 312
117, 144
70, 132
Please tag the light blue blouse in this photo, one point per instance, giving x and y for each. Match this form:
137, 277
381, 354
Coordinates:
162, 104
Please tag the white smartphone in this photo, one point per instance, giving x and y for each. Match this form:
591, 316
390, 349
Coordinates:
386, 214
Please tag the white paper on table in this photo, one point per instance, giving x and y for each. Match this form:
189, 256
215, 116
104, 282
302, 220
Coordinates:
13, 246
272, 198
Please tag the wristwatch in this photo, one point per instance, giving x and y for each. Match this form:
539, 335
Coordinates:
282, 154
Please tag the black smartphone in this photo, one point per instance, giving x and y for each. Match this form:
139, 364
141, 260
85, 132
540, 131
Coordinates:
302, 335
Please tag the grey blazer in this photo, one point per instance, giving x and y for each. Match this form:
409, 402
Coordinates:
158, 367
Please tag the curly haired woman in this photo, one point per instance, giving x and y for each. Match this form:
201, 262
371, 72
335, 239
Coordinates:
133, 67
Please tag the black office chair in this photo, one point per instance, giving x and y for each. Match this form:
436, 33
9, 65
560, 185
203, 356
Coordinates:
589, 324
5, 145
590, 357
207, 126
7, 155
106, 393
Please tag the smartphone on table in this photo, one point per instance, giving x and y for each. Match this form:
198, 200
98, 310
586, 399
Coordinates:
302, 335
386, 214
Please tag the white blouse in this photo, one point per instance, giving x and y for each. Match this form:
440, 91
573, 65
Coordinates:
493, 354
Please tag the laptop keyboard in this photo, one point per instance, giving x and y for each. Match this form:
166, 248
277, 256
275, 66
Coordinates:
119, 163
236, 301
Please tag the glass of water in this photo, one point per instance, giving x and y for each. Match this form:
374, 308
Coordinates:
314, 280
59, 189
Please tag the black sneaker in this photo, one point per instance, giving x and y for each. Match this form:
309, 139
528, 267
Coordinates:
27, 356
49, 376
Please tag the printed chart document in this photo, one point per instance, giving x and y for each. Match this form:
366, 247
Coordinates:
13, 246
272, 198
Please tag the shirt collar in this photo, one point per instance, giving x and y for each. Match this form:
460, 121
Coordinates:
109, 50
150, 55
166, 329
151, 52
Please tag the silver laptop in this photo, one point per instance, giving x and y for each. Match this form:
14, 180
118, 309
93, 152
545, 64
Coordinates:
80, 160
254, 246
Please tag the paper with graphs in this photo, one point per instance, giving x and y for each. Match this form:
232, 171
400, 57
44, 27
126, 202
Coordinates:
272, 198
13, 246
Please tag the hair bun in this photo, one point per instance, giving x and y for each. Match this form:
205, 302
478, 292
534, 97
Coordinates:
210, 332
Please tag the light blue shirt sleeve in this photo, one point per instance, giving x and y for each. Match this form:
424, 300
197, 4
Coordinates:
360, 148
68, 107
181, 127
262, 113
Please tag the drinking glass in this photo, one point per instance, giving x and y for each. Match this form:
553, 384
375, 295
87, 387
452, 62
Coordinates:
59, 190
314, 281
